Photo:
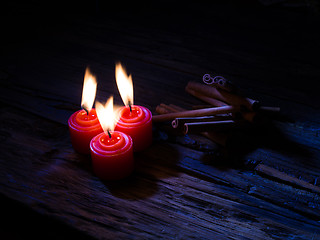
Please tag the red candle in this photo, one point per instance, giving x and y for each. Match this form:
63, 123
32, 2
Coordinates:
111, 152
112, 158
134, 120
83, 127
137, 123
84, 124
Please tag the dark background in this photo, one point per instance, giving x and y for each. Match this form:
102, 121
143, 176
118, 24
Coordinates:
273, 41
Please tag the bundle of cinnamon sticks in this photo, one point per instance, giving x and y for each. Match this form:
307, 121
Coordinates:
227, 109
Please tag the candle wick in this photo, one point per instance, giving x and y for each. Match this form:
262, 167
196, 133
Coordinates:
129, 103
109, 134
85, 109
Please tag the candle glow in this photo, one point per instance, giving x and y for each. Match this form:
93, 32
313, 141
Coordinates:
111, 151
89, 90
84, 124
106, 115
136, 121
125, 85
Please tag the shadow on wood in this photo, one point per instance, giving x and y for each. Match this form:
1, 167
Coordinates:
242, 142
133, 187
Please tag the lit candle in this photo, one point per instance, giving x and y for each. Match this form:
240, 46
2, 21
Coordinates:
111, 151
134, 120
84, 124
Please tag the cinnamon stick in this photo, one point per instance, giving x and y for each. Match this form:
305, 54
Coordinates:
263, 113
201, 106
210, 100
179, 122
162, 110
169, 108
176, 108
269, 109
198, 127
219, 82
217, 137
222, 95
195, 113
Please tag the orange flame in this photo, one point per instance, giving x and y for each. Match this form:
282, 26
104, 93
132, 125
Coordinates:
106, 115
89, 90
125, 85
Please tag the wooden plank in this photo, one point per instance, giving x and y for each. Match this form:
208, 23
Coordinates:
294, 141
159, 201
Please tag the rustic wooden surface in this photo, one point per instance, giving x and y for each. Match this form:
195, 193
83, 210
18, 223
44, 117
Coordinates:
181, 187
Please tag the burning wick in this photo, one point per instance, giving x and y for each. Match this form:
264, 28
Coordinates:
129, 103
109, 133
85, 109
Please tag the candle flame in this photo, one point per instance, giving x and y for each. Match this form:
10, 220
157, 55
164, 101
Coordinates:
89, 90
125, 85
106, 115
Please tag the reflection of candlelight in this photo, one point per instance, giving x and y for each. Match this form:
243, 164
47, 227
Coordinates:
111, 151
84, 124
134, 120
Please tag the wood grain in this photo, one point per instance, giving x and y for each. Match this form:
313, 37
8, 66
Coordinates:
170, 194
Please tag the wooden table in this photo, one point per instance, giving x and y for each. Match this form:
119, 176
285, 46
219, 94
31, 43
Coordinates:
180, 188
